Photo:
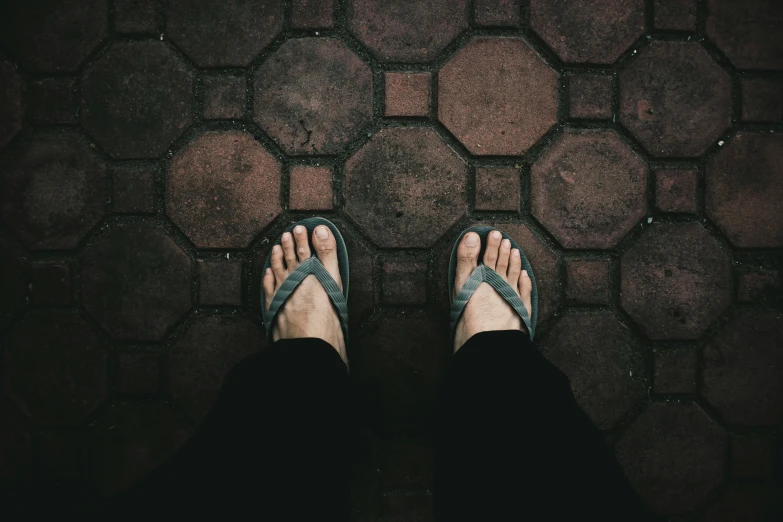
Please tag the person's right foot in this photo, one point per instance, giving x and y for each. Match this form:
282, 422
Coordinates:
487, 310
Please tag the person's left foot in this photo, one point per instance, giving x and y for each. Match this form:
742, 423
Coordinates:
308, 312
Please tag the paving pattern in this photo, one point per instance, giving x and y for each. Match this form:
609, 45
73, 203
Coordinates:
634, 148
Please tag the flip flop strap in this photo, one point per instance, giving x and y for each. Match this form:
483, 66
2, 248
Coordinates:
483, 274
309, 266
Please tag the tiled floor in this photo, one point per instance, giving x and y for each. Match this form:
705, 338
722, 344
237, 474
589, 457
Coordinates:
150, 151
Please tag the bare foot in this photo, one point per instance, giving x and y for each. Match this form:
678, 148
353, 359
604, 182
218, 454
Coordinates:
487, 310
308, 312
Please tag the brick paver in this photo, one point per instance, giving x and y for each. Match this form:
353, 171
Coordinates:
748, 32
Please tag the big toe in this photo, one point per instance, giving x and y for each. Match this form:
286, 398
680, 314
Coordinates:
325, 246
467, 259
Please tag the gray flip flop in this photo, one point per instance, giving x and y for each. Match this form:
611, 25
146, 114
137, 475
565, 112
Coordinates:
309, 266
482, 274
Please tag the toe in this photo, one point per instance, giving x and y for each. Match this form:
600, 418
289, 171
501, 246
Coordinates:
289, 251
326, 250
501, 266
493, 248
269, 287
514, 267
302, 243
526, 291
277, 264
467, 259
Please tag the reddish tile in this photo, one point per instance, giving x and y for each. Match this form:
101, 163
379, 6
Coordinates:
591, 96
749, 502
313, 95
13, 284
131, 439
405, 188
588, 189
404, 282
407, 94
669, 116
753, 455
224, 97
51, 101
417, 33
593, 32
223, 188
497, 96
745, 174
229, 33
42, 35
136, 16
15, 449
743, 369
676, 280
748, 32
200, 360
675, 190
312, 14
129, 107
587, 281
54, 193
675, 370
497, 189
673, 454
361, 298
55, 368
763, 287
762, 100
10, 103
221, 282
678, 15
133, 190
599, 367
138, 373
504, 13
311, 188
51, 283
136, 282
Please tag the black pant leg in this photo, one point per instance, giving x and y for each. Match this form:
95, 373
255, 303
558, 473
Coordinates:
274, 447
513, 444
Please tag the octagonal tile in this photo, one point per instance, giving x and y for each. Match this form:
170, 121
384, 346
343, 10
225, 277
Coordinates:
53, 35
10, 103
676, 280
136, 282
595, 31
313, 95
55, 368
743, 369
410, 31
229, 33
405, 188
598, 366
588, 189
675, 99
745, 188
497, 96
137, 99
131, 439
12, 283
674, 455
54, 193
748, 32
223, 188
200, 359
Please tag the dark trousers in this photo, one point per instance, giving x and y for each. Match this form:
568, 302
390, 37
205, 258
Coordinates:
512, 443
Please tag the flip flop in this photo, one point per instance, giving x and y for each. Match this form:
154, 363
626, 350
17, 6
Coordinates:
312, 265
483, 274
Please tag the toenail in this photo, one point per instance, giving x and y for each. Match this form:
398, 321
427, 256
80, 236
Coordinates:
524, 273
286, 236
506, 243
496, 234
471, 240
515, 253
268, 271
322, 233
299, 229
301, 250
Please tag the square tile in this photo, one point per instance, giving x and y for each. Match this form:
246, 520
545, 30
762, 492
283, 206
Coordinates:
675, 370
312, 14
51, 102
587, 281
404, 282
752, 455
675, 190
311, 188
591, 96
497, 188
224, 97
678, 15
51, 283
762, 100
136, 16
407, 94
220, 282
133, 190
504, 13
138, 373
